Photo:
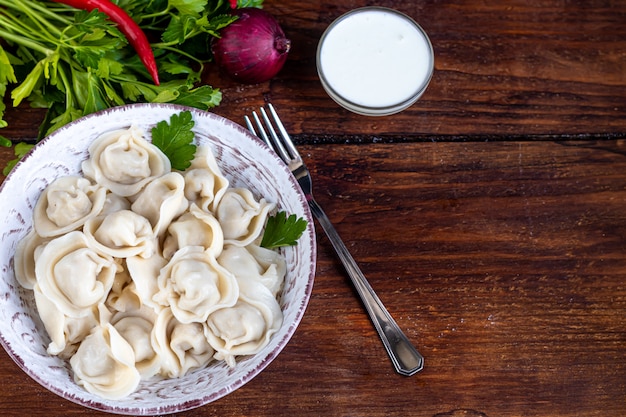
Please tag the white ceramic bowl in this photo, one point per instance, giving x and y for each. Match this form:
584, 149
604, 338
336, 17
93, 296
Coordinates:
244, 159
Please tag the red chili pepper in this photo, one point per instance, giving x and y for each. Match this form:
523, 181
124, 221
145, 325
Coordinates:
233, 4
134, 34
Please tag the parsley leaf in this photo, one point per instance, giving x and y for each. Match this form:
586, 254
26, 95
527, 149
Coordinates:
186, 7
175, 139
281, 230
20, 150
203, 97
5, 142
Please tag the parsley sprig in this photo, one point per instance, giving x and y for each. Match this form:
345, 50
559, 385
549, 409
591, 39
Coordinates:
282, 230
175, 139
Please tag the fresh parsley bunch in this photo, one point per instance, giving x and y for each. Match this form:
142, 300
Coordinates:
74, 62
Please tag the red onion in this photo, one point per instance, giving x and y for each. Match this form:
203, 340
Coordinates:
253, 48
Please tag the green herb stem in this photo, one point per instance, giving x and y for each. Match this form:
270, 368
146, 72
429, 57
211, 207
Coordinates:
48, 12
178, 51
67, 85
161, 13
28, 43
41, 23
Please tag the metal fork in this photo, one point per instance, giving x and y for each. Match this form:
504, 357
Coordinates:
406, 359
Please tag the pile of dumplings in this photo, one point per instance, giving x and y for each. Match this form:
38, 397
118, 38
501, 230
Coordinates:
140, 271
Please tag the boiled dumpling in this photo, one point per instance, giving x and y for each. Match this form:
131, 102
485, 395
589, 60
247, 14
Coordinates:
122, 234
194, 228
105, 364
143, 272
194, 285
24, 258
241, 216
265, 265
181, 346
123, 161
73, 276
246, 327
161, 201
123, 296
66, 204
65, 332
204, 182
136, 326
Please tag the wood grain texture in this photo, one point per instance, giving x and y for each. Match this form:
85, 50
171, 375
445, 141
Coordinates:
502, 69
493, 227
504, 263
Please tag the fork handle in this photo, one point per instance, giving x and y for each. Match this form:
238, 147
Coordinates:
405, 358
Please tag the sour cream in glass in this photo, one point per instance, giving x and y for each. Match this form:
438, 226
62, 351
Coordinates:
375, 61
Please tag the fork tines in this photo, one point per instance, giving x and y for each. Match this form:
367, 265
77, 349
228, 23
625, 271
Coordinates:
280, 142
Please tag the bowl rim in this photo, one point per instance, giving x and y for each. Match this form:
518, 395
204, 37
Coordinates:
128, 110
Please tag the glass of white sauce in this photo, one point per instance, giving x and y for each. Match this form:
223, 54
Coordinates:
375, 61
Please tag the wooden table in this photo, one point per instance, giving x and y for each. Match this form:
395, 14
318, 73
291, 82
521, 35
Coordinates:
490, 217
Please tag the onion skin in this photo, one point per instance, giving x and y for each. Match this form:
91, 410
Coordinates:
252, 49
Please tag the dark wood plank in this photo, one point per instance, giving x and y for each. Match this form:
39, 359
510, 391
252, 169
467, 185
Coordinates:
504, 262
502, 69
